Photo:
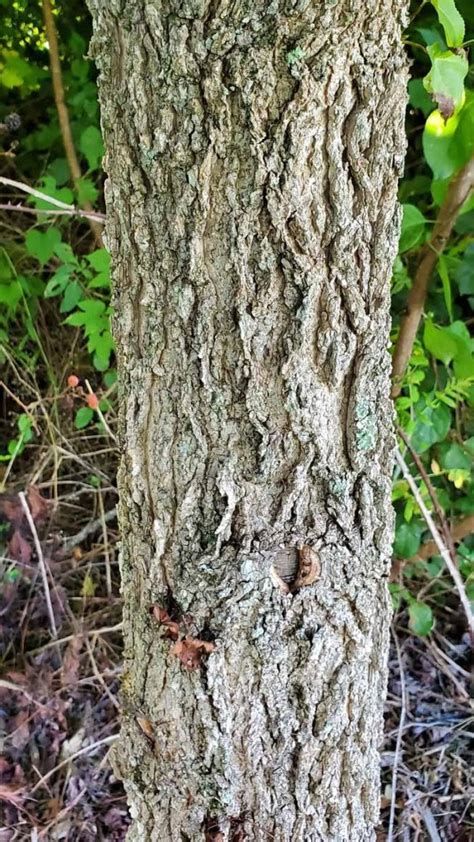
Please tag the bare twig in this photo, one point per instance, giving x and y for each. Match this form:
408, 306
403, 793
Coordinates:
431, 491
86, 750
99, 676
89, 529
95, 215
25, 188
458, 191
398, 745
41, 562
17, 688
430, 823
108, 570
63, 114
443, 550
69, 637
461, 529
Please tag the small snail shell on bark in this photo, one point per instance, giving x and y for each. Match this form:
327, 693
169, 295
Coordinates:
295, 568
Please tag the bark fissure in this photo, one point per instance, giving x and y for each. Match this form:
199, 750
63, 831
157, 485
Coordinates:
252, 157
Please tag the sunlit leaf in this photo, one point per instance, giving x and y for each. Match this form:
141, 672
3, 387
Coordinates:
451, 21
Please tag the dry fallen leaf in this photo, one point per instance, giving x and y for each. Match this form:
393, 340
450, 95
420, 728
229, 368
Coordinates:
39, 505
19, 548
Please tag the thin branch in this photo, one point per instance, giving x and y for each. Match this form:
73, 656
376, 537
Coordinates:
398, 745
458, 192
105, 537
443, 550
73, 541
41, 562
96, 215
25, 188
63, 114
461, 529
431, 491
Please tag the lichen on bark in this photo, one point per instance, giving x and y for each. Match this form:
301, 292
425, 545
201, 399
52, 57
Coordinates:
252, 153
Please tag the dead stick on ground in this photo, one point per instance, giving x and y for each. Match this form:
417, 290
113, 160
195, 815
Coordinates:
41, 562
63, 114
443, 550
458, 191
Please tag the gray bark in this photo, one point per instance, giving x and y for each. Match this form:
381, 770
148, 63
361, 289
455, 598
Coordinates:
253, 151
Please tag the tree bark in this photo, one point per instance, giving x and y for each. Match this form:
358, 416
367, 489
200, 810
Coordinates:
253, 151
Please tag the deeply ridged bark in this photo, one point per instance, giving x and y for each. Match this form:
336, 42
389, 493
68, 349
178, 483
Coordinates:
253, 151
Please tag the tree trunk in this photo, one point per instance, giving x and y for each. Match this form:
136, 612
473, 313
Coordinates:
253, 151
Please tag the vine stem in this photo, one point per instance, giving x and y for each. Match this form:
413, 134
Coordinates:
443, 550
63, 114
458, 191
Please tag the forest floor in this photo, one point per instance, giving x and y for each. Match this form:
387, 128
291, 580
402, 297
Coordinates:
60, 624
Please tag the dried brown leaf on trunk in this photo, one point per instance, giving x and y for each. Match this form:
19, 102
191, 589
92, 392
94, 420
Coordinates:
172, 627
191, 650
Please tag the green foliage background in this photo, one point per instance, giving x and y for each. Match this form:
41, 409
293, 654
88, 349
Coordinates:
55, 290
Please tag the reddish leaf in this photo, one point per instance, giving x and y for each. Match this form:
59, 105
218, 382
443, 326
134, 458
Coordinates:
11, 508
172, 627
39, 505
190, 651
71, 662
18, 548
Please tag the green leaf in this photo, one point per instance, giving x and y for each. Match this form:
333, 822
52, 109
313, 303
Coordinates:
93, 307
41, 244
58, 282
439, 342
48, 186
91, 146
59, 170
407, 539
465, 272
449, 144
10, 295
451, 21
445, 81
447, 293
455, 457
86, 191
419, 97
66, 254
84, 416
413, 226
432, 425
72, 296
99, 260
421, 620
